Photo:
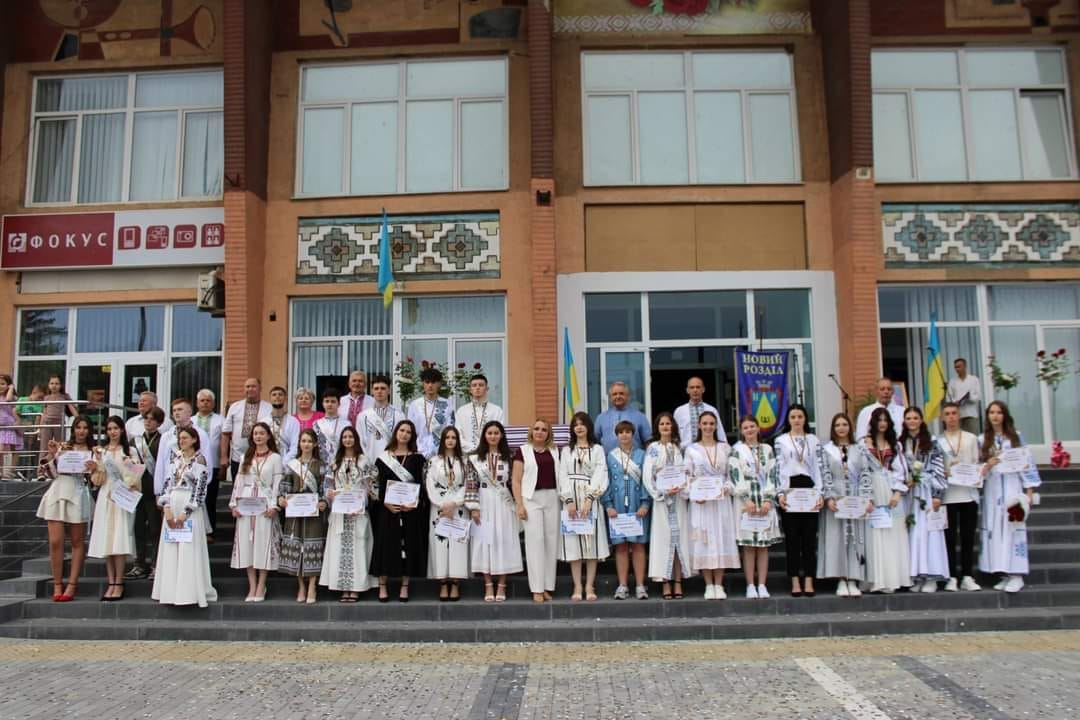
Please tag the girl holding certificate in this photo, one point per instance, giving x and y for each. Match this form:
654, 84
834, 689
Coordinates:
349, 536
959, 447
712, 520
842, 541
755, 477
401, 530
665, 480
257, 541
112, 535
303, 539
448, 557
926, 483
496, 549
67, 505
626, 495
583, 478
182, 570
796, 453
1010, 479
888, 565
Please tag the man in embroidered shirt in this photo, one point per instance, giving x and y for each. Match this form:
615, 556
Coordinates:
964, 391
473, 415
430, 413
353, 404
378, 420
687, 416
884, 392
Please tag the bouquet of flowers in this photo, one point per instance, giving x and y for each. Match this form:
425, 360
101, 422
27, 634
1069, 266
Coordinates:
1001, 379
1053, 367
1019, 507
463, 375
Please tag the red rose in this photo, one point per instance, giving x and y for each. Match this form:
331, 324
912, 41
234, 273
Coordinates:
686, 7
1016, 513
423, 363
476, 366
461, 366
1061, 351
641, 3
1041, 353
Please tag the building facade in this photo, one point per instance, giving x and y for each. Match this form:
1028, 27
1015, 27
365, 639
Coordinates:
658, 183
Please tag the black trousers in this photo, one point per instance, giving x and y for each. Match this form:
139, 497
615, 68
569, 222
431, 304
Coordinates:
147, 523
963, 521
800, 536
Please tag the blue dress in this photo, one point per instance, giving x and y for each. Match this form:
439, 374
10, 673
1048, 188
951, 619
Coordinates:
626, 492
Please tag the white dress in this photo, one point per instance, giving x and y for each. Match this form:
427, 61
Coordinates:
1004, 544
712, 523
67, 499
257, 541
669, 536
113, 529
348, 538
498, 551
841, 542
888, 561
583, 475
445, 481
182, 575
929, 558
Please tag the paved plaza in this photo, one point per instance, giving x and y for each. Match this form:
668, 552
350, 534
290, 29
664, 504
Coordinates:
996, 676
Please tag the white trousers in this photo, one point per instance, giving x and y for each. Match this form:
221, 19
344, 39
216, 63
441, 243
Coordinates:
542, 539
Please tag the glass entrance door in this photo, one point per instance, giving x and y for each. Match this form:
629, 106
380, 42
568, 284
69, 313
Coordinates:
94, 385
671, 368
103, 381
139, 378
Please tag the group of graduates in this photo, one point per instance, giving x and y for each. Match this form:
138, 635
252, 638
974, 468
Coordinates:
328, 498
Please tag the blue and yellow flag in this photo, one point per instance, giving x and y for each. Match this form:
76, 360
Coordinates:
386, 264
571, 393
934, 389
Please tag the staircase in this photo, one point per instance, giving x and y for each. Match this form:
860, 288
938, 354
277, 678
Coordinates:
1051, 600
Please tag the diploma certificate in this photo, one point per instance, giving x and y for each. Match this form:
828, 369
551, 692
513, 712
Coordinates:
965, 474
347, 502
755, 523
124, 497
72, 462
576, 525
302, 505
183, 535
453, 528
850, 507
402, 493
1013, 460
626, 525
250, 506
802, 500
881, 518
937, 519
670, 477
706, 488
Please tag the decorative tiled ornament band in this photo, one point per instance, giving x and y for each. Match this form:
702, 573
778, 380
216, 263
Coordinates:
981, 234
422, 247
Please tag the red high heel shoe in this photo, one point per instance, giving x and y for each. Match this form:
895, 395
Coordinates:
58, 591
69, 596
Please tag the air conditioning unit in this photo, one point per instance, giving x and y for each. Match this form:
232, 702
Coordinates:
211, 295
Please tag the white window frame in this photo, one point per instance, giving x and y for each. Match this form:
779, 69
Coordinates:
689, 92
397, 337
129, 111
964, 88
402, 99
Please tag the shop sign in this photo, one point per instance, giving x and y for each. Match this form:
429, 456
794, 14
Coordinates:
121, 239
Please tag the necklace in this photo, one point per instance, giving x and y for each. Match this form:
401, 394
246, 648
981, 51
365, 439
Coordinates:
713, 457
582, 454
954, 448
624, 459
493, 465
799, 441
479, 416
429, 417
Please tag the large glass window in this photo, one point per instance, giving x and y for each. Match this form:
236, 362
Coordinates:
971, 114
689, 315
334, 336
677, 118
148, 136
415, 126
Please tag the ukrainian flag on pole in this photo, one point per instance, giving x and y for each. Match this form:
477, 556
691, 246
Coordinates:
386, 264
571, 393
934, 390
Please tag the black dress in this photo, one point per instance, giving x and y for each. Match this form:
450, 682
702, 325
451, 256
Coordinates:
401, 540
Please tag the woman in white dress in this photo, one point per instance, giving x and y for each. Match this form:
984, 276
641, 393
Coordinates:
496, 549
66, 507
926, 488
448, 558
842, 541
669, 536
712, 522
349, 538
257, 542
1007, 500
182, 574
888, 558
583, 478
796, 454
755, 475
112, 535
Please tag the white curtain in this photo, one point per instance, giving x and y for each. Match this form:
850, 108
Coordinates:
204, 154
54, 160
312, 360
101, 159
153, 156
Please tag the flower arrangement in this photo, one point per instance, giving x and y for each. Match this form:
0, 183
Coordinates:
1052, 367
463, 375
1001, 379
688, 7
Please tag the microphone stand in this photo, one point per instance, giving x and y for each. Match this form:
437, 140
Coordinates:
844, 393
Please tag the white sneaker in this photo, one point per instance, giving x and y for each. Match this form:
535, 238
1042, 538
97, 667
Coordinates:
751, 592
842, 589
1002, 583
968, 584
853, 588
718, 592
710, 593
762, 592
916, 585
641, 592
1014, 584
622, 592
950, 584
930, 586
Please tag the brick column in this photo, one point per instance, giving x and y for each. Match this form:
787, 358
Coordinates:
542, 221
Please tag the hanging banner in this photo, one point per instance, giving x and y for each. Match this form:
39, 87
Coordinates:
762, 380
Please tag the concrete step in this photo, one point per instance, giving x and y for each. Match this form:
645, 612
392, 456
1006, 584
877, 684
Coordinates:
198, 626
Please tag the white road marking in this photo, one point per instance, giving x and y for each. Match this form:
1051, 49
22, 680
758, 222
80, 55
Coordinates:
853, 701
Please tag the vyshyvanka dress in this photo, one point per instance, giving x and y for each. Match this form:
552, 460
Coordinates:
257, 542
626, 492
669, 535
582, 475
303, 539
348, 537
841, 542
445, 481
498, 550
182, 570
926, 472
888, 558
755, 476
1004, 544
712, 523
